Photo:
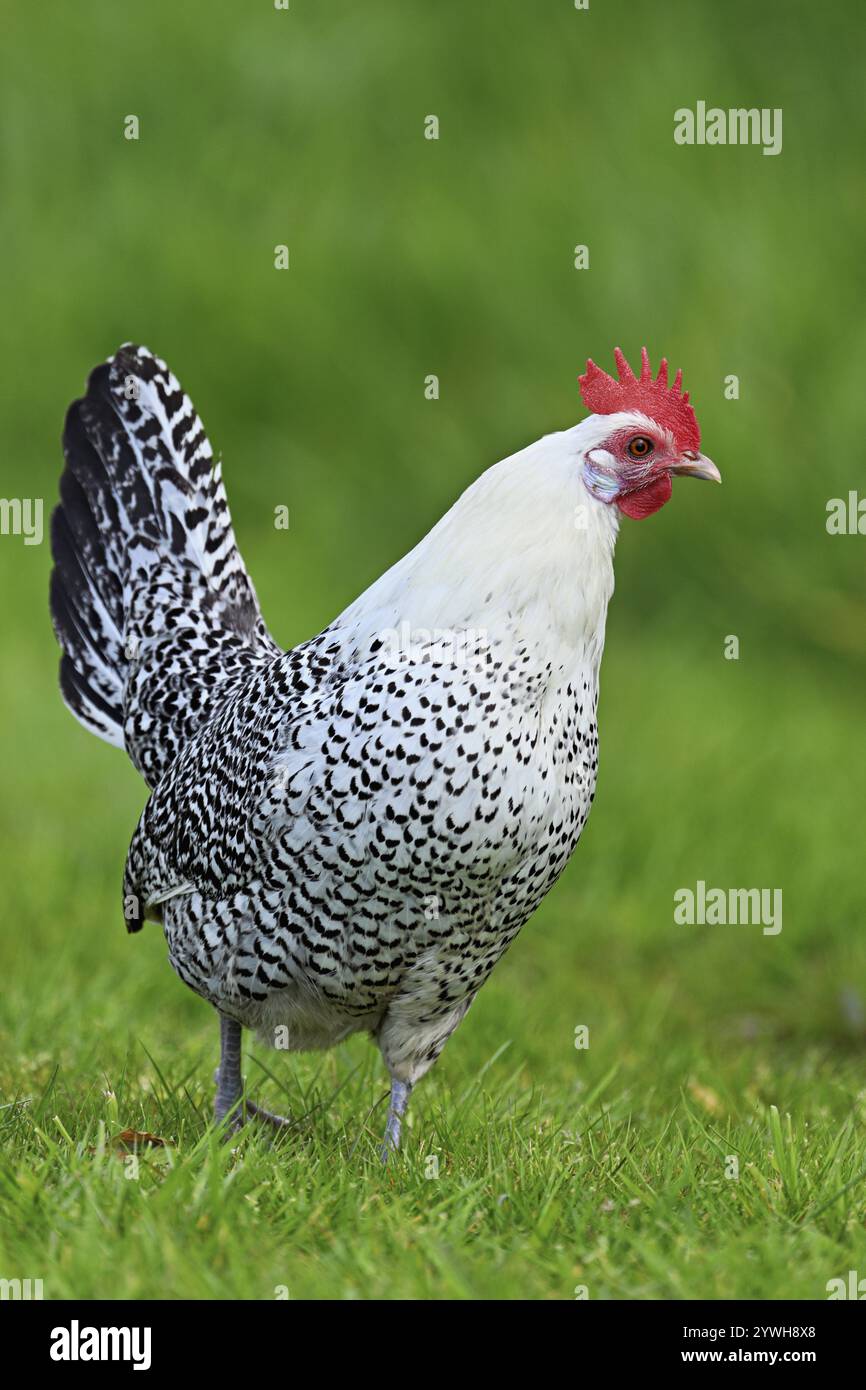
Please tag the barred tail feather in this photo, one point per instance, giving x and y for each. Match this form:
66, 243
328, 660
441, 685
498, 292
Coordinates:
148, 583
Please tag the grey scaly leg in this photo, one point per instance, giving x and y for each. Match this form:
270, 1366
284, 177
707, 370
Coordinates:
228, 1078
229, 1082
400, 1093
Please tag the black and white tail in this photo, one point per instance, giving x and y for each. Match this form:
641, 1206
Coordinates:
150, 599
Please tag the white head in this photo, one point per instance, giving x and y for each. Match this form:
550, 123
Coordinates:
647, 432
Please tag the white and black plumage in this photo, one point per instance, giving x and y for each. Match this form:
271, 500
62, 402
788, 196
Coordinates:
347, 836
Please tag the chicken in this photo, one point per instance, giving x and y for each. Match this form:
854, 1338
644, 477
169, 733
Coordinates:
347, 836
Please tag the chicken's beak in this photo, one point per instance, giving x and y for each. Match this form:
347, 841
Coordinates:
692, 465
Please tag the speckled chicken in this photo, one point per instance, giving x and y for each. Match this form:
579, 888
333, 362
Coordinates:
347, 836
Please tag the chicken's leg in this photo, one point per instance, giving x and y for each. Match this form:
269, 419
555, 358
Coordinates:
229, 1083
400, 1093
410, 1040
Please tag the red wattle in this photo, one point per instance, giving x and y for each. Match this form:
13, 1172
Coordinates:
647, 499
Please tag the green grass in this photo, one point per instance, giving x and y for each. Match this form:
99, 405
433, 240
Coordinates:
618, 1187
557, 1167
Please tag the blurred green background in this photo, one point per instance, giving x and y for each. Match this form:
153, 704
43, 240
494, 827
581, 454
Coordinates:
455, 257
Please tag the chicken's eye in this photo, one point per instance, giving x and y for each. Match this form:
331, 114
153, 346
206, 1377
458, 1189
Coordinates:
640, 446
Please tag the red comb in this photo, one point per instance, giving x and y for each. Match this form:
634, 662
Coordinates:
667, 405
